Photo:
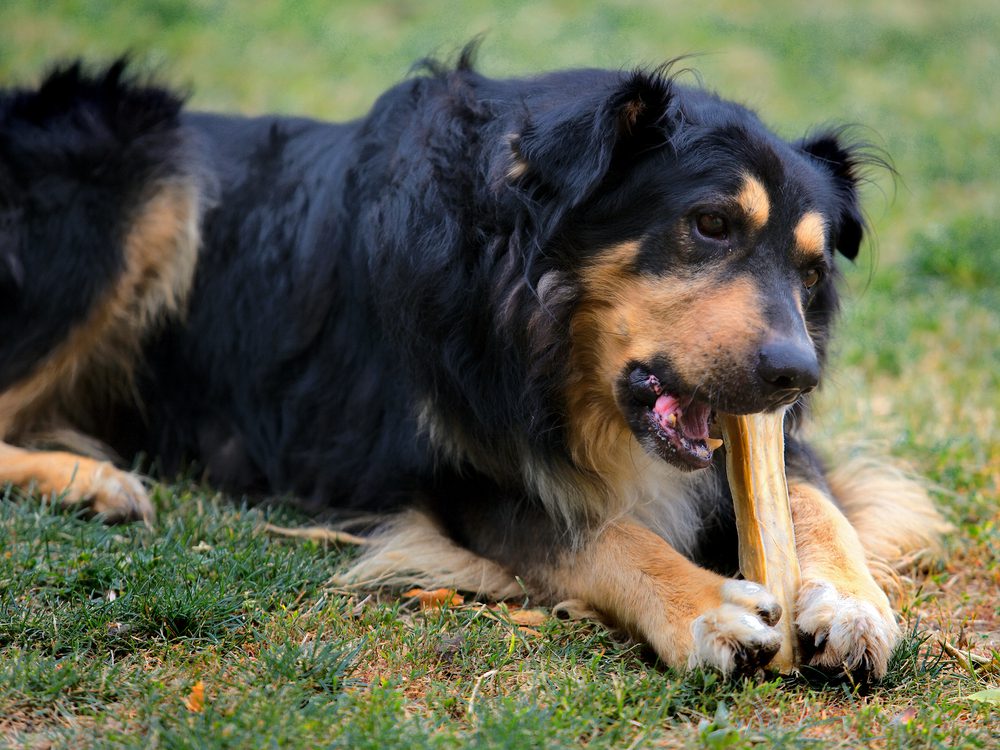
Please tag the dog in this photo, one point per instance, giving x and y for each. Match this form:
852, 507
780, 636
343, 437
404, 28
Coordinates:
502, 314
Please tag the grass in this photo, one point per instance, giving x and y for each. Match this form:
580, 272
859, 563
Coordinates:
105, 633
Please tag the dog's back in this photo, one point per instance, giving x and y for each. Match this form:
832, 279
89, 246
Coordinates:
182, 286
278, 368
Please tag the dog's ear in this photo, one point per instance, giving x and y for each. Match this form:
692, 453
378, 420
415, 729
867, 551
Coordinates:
570, 148
843, 162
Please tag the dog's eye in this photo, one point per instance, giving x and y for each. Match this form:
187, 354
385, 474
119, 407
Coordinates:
811, 277
712, 226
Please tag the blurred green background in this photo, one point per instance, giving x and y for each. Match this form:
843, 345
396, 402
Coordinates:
923, 75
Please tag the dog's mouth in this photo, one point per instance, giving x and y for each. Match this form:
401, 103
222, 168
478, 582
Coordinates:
674, 427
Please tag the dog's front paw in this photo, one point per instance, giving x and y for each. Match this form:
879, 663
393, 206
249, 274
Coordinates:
739, 635
116, 496
119, 496
846, 633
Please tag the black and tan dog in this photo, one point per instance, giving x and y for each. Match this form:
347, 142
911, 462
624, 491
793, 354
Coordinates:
503, 311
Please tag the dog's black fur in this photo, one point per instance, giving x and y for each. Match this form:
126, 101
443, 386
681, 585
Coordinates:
386, 313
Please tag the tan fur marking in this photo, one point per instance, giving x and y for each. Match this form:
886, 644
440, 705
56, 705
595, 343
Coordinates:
631, 112
690, 616
517, 170
519, 165
706, 325
633, 577
840, 606
753, 201
828, 546
160, 256
96, 357
76, 481
810, 236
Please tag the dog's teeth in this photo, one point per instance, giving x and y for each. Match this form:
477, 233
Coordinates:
713, 443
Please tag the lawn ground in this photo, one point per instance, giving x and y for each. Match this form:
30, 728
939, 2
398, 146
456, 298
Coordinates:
207, 631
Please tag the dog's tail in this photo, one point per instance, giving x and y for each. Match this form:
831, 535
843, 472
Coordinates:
899, 527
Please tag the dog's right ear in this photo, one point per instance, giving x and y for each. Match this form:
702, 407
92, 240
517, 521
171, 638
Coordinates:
842, 161
569, 149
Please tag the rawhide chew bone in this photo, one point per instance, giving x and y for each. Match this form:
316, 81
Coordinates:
755, 463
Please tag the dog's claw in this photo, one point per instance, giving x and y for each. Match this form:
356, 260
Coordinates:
850, 634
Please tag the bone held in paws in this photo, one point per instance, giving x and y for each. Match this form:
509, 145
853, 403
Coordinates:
755, 464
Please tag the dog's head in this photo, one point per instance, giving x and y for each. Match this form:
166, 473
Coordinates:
701, 251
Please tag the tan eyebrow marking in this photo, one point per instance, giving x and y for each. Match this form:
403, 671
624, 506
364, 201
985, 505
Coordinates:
753, 199
810, 234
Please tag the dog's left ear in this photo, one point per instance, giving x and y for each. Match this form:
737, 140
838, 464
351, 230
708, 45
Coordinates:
570, 148
842, 162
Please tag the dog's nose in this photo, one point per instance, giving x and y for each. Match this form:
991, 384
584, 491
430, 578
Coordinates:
788, 367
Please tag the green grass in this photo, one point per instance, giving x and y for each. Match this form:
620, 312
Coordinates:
104, 632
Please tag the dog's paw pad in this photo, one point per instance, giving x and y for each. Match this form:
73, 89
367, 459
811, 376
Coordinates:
845, 634
739, 635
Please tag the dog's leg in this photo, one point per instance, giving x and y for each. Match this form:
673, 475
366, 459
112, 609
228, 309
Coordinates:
690, 616
75, 480
844, 618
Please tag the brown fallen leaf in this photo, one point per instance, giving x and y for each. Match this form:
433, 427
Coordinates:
529, 617
528, 631
436, 598
195, 702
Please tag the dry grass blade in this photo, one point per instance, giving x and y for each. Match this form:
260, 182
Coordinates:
316, 533
971, 662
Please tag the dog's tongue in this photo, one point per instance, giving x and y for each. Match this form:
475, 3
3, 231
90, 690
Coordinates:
692, 418
666, 405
